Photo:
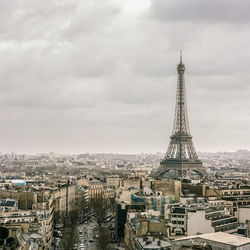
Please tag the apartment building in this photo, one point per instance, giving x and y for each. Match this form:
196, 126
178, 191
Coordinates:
187, 220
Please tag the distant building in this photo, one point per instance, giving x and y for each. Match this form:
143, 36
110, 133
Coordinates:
113, 181
96, 189
18, 182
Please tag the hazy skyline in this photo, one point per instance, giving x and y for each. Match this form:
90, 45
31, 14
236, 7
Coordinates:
100, 76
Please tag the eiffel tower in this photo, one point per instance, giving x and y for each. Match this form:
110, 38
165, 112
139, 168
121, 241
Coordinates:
181, 158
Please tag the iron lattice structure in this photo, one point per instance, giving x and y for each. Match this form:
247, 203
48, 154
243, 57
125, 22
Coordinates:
181, 156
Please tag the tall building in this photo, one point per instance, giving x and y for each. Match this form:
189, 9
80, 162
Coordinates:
181, 158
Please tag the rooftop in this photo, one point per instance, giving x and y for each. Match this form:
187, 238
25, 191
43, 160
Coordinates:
7, 203
221, 237
149, 242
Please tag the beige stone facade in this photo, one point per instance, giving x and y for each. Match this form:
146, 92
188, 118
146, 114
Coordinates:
172, 188
113, 181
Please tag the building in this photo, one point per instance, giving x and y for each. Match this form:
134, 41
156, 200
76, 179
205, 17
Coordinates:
8, 205
187, 220
17, 218
150, 242
244, 214
34, 211
143, 198
64, 197
170, 188
113, 181
239, 196
145, 224
123, 203
152, 201
214, 241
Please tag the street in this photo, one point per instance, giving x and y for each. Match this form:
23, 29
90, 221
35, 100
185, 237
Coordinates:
89, 241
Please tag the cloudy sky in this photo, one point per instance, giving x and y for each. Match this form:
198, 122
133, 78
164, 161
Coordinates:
100, 75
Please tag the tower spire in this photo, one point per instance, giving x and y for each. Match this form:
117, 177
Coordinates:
180, 56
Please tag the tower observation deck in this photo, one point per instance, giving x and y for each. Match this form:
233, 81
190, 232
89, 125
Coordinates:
181, 158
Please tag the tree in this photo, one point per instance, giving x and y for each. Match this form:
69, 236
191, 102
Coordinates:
70, 225
68, 237
104, 238
4, 233
12, 242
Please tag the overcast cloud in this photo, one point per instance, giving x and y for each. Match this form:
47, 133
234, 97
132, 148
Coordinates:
100, 76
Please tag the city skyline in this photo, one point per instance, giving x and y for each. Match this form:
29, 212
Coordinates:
101, 77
